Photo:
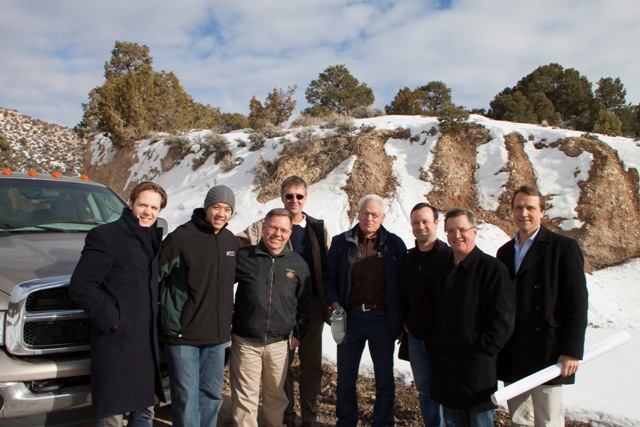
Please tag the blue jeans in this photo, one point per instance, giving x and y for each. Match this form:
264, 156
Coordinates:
469, 418
421, 368
362, 327
197, 376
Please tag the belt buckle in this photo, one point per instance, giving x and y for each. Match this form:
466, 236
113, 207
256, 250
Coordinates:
364, 308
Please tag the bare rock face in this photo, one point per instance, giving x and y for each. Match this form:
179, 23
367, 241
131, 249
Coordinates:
608, 207
27, 143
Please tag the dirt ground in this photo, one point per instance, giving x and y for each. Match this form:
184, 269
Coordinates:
407, 409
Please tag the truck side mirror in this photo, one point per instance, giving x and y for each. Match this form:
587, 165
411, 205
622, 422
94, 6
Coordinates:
163, 224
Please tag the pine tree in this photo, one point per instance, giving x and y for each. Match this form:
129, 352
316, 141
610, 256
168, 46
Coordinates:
434, 96
337, 90
406, 102
556, 95
610, 94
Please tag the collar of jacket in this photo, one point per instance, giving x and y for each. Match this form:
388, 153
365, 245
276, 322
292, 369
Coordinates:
149, 237
352, 235
473, 256
134, 224
309, 218
199, 220
439, 246
261, 249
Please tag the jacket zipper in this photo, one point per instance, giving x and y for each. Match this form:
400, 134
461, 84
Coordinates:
271, 280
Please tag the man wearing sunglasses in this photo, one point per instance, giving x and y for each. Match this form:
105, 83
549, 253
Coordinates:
309, 238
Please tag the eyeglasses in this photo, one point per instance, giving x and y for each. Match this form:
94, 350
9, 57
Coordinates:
373, 215
274, 229
297, 196
453, 231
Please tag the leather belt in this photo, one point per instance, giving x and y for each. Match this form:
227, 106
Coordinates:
367, 307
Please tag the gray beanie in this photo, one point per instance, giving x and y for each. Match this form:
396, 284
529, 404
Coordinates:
220, 193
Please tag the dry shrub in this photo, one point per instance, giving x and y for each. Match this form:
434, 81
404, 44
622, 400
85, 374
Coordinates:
262, 172
272, 131
304, 120
257, 140
343, 124
212, 143
367, 112
179, 147
227, 164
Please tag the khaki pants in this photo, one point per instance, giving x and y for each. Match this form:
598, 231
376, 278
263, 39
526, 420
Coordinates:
539, 407
251, 362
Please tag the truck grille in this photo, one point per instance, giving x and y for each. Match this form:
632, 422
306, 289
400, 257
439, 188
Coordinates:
60, 333
50, 299
43, 319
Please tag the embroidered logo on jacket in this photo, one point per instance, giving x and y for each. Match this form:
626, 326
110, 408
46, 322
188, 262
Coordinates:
291, 273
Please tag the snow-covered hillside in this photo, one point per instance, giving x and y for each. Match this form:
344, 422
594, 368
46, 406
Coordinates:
605, 391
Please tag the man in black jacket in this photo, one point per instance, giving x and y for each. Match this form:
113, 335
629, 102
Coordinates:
309, 238
270, 318
547, 270
116, 283
470, 317
363, 277
197, 270
422, 267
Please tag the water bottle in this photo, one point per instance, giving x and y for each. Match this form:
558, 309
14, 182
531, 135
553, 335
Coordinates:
338, 325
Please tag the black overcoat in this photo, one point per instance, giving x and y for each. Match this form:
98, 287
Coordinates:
470, 313
116, 284
551, 310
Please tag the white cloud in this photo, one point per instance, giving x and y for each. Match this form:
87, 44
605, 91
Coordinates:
223, 53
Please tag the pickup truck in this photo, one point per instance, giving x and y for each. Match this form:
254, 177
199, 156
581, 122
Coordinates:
44, 336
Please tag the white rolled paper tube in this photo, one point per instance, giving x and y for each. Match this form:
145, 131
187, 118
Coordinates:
551, 372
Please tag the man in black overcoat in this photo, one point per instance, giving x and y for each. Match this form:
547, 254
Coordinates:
116, 284
547, 270
469, 318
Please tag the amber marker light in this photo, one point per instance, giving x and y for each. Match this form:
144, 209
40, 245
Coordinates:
85, 178
6, 171
56, 175
32, 173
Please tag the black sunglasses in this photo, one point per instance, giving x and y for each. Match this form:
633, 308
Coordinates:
291, 196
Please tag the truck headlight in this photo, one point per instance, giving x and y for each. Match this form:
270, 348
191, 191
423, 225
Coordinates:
2, 314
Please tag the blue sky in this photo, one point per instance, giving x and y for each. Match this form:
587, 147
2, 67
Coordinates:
52, 53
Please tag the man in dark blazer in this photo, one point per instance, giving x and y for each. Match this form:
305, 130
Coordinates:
116, 284
547, 270
469, 318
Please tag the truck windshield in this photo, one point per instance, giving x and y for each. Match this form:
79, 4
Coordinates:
36, 205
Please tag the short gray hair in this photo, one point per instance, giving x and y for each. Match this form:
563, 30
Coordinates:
278, 212
454, 213
373, 197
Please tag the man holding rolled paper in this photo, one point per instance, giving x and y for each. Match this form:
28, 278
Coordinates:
547, 270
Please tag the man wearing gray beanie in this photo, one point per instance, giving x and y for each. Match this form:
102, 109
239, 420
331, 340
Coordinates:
222, 194
197, 273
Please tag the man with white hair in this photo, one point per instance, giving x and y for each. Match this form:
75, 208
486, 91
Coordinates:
363, 277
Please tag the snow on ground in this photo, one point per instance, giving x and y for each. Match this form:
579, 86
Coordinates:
605, 391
